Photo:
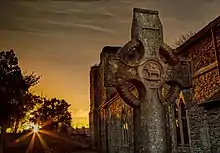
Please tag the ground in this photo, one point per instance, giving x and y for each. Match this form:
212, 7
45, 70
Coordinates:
59, 144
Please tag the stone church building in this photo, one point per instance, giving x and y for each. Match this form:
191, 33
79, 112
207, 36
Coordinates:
192, 120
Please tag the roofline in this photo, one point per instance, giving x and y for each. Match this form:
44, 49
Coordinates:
198, 35
116, 96
94, 66
210, 104
110, 49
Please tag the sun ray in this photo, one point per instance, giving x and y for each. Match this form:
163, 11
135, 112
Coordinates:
23, 137
48, 122
43, 143
31, 145
52, 134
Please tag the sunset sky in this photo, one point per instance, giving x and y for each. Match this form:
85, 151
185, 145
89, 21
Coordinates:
61, 40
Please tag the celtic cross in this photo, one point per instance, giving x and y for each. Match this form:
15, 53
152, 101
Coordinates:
147, 63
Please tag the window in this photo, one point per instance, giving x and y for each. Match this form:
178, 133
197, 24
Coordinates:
125, 132
124, 127
182, 135
177, 124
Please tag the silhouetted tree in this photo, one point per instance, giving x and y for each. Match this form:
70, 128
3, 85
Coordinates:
12, 86
26, 102
53, 114
183, 38
31, 79
30, 101
12, 89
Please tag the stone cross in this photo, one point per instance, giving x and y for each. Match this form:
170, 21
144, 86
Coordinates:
148, 64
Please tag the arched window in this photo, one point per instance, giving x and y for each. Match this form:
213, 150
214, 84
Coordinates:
182, 134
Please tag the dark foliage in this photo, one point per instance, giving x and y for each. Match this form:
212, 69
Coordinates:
53, 114
29, 101
12, 86
16, 99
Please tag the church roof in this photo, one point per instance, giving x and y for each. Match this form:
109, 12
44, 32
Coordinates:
109, 50
198, 35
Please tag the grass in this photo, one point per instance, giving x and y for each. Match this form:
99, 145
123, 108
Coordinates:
59, 145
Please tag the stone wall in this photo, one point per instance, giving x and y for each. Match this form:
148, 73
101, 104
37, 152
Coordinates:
202, 53
197, 128
205, 85
120, 131
198, 137
101, 99
213, 118
204, 127
203, 124
93, 105
103, 131
204, 67
119, 125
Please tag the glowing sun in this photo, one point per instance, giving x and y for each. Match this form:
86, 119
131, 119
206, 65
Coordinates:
35, 128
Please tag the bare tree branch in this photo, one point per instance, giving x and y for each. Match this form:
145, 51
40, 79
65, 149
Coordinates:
183, 38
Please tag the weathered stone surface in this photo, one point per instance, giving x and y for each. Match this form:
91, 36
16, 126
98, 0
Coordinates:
147, 63
139, 62
204, 86
120, 127
202, 54
213, 117
195, 126
94, 104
